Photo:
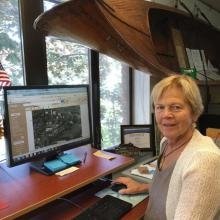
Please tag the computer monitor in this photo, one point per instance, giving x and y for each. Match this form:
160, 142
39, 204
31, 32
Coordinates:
41, 122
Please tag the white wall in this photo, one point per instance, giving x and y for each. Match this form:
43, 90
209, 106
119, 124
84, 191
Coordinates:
141, 98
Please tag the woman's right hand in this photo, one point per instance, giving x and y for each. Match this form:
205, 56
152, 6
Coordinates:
133, 187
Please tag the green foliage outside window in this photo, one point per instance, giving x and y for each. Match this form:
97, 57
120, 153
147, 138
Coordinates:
114, 87
10, 40
67, 62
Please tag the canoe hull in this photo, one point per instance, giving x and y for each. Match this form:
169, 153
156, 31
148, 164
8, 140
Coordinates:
123, 30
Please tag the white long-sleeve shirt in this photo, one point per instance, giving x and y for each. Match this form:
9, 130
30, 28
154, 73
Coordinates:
194, 187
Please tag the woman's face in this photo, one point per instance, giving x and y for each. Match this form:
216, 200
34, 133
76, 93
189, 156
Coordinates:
173, 115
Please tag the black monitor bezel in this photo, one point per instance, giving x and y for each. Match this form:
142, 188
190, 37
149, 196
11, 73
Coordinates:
45, 155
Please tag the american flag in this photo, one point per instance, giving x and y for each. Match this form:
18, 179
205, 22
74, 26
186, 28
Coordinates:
4, 78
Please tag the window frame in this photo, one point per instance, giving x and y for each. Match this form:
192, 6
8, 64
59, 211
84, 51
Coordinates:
33, 43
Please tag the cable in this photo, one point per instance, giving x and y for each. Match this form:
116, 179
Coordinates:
198, 72
205, 17
69, 201
187, 9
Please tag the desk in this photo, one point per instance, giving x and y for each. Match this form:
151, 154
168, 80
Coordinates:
25, 190
83, 198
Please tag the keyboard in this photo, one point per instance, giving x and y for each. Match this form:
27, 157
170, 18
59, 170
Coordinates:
106, 208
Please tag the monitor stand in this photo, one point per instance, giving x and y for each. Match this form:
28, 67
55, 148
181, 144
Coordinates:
39, 167
55, 163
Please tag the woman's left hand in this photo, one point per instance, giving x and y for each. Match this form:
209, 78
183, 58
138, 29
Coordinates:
133, 187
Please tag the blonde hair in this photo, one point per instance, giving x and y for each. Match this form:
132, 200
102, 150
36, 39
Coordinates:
189, 88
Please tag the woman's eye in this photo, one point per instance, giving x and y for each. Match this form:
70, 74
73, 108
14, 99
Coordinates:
159, 107
175, 108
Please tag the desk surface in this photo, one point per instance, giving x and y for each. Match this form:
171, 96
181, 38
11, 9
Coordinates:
75, 202
24, 190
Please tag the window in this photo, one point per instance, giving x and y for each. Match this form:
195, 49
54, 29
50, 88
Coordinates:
10, 44
141, 98
114, 99
10, 50
10, 41
67, 62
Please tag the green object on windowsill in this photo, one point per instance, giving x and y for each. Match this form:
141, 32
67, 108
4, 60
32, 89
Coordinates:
189, 72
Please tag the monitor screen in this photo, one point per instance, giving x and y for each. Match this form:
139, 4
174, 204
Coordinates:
41, 121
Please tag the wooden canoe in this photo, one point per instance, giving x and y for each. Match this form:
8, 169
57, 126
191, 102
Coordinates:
149, 37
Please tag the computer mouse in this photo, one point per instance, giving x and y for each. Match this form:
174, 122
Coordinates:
118, 186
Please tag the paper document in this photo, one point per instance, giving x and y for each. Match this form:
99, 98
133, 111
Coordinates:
66, 171
150, 167
140, 140
102, 154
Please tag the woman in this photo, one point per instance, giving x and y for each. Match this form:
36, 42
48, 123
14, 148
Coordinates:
186, 184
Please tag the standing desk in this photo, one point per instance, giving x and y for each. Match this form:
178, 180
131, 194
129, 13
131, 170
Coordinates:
26, 191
